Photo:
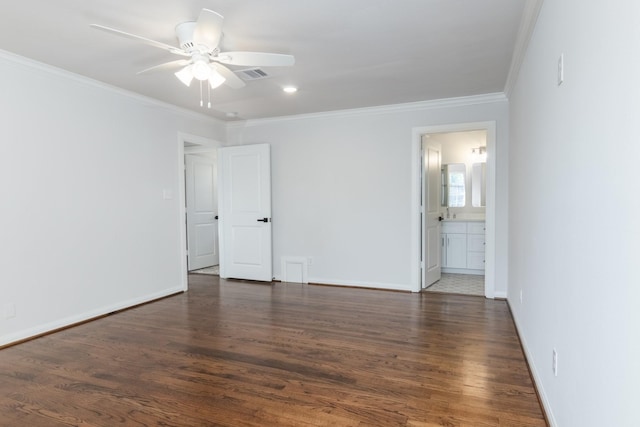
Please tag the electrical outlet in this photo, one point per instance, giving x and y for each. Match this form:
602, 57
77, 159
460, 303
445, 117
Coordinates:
555, 363
309, 260
561, 69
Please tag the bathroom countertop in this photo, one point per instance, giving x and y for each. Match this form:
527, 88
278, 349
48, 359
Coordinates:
463, 220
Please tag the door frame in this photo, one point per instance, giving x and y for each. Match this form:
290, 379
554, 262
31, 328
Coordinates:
416, 200
202, 145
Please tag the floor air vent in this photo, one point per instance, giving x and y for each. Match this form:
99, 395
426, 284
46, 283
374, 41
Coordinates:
252, 74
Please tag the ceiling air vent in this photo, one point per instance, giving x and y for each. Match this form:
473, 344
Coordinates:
252, 74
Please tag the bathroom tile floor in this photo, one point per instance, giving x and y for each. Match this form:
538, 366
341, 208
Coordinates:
214, 270
467, 284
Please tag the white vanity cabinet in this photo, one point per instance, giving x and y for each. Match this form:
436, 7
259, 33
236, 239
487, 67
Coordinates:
454, 245
463, 247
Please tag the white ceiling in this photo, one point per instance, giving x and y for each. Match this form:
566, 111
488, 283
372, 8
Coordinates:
349, 53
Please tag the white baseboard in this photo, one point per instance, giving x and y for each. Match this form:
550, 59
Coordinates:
501, 295
355, 284
360, 284
83, 317
534, 373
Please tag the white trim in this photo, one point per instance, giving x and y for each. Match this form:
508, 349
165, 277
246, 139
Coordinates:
382, 109
527, 26
534, 372
59, 72
182, 216
359, 284
416, 199
286, 261
204, 144
207, 145
89, 315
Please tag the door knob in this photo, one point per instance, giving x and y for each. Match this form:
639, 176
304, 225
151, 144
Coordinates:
263, 220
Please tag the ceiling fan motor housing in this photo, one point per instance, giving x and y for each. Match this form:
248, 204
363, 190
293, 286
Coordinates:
185, 32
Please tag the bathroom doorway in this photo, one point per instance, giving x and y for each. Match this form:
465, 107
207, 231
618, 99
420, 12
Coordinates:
467, 231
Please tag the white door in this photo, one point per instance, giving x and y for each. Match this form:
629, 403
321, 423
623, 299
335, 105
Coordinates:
202, 209
431, 188
245, 212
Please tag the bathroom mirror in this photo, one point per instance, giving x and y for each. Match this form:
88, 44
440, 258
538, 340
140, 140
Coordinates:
478, 184
453, 185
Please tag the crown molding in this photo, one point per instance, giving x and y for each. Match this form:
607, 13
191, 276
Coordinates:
382, 109
365, 111
525, 32
59, 72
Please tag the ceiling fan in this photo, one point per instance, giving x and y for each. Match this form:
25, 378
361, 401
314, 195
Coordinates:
199, 44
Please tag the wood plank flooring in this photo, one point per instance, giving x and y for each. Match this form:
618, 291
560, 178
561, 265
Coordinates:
232, 353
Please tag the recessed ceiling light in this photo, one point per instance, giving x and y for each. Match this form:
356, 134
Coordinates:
290, 89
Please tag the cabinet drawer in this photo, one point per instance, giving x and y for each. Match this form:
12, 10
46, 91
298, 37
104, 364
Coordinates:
475, 228
475, 243
454, 227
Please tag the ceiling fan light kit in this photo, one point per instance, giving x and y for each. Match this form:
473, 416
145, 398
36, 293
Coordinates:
215, 79
185, 76
201, 70
200, 42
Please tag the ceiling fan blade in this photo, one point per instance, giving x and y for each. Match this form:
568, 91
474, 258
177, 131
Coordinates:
208, 29
166, 66
150, 42
232, 80
255, 59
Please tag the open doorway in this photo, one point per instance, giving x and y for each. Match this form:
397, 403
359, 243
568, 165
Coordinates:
461, 210
478, 222
198, 161
201, 205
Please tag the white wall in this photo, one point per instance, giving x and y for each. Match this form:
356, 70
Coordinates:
341, 185
575, 213
84, 227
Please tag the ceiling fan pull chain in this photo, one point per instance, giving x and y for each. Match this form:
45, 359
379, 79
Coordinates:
201, 101
209, 104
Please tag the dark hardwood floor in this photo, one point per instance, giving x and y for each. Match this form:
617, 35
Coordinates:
233, 353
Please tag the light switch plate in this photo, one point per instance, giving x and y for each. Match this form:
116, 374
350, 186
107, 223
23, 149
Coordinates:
9, 311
